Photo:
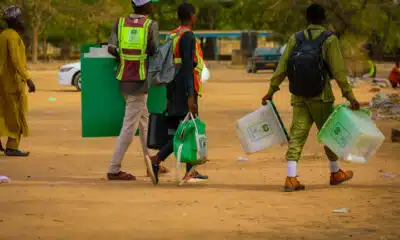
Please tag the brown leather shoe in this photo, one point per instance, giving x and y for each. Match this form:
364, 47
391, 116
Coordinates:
340, 177
292, 184
121, 176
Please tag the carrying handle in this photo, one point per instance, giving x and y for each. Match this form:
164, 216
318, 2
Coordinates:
178, 162
362, 110
189, 117
279, 119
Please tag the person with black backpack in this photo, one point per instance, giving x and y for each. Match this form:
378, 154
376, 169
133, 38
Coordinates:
311, 59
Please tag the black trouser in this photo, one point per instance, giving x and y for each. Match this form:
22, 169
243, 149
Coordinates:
168, 149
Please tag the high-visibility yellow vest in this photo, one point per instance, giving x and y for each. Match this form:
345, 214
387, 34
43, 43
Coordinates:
132, 40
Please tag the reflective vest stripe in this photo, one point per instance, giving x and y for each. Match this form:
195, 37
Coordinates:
199, 54
122, 66
143, 58
178, 60
134, 58
199, 68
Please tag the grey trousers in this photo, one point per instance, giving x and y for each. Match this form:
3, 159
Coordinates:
136, 116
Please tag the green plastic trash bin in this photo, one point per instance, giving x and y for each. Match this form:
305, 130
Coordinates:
157, 99
103, 105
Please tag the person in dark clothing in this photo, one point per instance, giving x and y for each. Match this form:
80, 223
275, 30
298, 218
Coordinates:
182, 92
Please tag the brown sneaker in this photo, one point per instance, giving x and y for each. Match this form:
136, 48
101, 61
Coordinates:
341, 176
292, 184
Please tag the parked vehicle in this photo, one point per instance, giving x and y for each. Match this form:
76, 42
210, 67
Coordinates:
263, 59
70, 75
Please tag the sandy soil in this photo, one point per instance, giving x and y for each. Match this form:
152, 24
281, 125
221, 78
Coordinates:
60, 191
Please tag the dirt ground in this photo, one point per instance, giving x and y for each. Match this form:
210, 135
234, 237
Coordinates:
60, 191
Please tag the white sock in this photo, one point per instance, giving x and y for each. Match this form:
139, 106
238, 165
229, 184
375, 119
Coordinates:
334, 166
291, 168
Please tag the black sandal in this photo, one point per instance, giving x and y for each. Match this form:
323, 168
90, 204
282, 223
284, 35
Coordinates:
15, 153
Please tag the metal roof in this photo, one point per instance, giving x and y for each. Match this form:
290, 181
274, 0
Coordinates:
221, 34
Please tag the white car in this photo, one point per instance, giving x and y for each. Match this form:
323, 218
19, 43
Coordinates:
70, 75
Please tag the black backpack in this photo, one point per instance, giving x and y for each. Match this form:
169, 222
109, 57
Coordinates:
307, 69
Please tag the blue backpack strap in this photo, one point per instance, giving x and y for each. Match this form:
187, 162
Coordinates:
321, 38
320, 41
300, 37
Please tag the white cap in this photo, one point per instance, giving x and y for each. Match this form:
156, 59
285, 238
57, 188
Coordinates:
12, 12
140, 2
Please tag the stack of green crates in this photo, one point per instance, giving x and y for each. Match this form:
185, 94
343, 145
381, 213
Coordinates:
103, 105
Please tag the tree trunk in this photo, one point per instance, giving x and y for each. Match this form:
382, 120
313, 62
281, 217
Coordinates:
65, 49
377, 52
386, 32
44, 46
34, 44
212, 15
207, 18
98, 38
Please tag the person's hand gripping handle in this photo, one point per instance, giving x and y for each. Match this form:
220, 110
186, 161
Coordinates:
355, 105
192, 105
265, 99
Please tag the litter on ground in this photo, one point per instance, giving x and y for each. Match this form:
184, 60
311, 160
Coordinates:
4, 179
385, 106
341, 210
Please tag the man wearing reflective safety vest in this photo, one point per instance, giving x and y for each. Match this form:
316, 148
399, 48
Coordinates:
182, 93
197, 58
134, 38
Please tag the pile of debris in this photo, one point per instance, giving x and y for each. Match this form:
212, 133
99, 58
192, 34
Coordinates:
385, 106
377, 83
353, 81
381, 83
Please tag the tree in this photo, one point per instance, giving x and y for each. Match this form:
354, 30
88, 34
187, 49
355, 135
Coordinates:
38, 14
352, 20
102, 13
62, 22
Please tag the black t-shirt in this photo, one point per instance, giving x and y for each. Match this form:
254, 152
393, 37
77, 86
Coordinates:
182, 87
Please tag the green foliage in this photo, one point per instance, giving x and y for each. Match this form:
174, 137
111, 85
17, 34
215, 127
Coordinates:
80, 21
353, 20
